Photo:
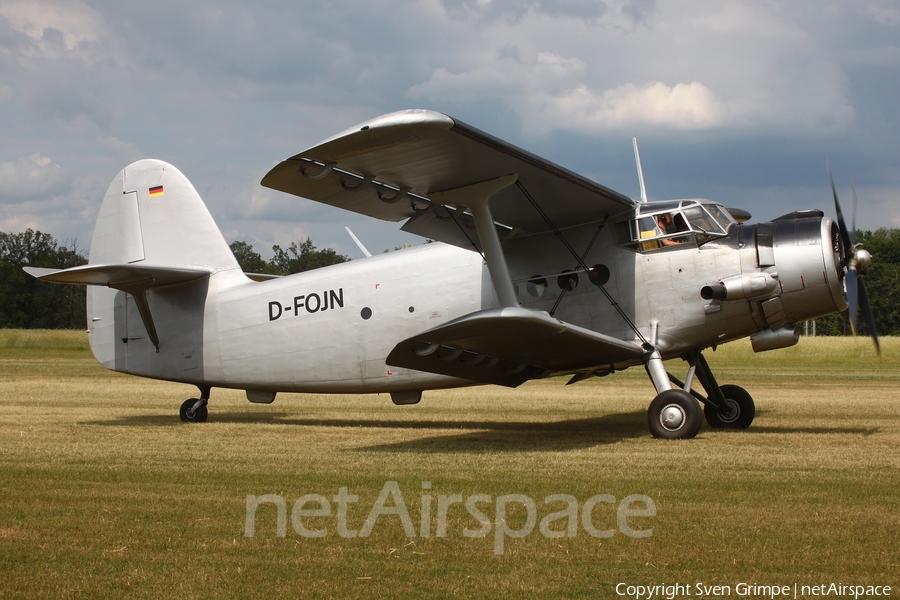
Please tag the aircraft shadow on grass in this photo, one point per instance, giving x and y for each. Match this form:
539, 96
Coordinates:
480, 436
490, 436
863, 431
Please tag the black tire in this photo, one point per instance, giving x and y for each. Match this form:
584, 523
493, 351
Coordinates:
739, 413
193, 416
674, 415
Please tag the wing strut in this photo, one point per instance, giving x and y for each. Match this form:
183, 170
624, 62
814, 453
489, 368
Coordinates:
138, 291
477, 197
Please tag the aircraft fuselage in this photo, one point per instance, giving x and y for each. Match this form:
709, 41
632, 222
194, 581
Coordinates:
331, 329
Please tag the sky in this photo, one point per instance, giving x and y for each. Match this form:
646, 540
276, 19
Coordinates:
742, 102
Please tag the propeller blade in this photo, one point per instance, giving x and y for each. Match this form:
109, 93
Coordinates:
850, 281
854, 259
867, 314
845, 237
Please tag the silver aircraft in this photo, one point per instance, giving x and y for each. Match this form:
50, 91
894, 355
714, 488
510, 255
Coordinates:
538, 272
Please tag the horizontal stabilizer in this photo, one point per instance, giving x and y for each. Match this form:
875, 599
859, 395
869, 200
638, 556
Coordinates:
508, 346
134, 279
260, 277
119, 276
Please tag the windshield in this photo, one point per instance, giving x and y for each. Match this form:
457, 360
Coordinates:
702, 221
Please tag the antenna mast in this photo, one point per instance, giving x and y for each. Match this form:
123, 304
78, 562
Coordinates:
637, 159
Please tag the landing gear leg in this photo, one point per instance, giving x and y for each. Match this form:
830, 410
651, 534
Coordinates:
727, 406
194, 410
674, 414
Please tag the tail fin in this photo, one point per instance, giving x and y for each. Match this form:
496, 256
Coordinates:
152, 215
154, 250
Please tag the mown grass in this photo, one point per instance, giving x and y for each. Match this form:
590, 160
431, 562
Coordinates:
104, 492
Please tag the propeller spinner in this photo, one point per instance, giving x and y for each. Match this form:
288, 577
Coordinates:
855, 260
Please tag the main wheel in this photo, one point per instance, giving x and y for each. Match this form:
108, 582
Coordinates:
191, 415
674, 415
739, 409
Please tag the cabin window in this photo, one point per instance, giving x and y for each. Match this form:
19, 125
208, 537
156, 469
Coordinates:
536, 286
568, 281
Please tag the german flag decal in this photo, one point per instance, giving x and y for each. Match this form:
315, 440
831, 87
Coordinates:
156, 191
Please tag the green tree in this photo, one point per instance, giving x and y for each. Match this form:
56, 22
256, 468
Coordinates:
304, 257
882, 280
836, 324
26, 302
250, 260
294, 259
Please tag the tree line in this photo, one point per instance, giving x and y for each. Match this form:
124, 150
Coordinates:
295, 259
882, 280
27, 303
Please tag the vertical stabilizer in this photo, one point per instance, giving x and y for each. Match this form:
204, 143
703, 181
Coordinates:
152, 214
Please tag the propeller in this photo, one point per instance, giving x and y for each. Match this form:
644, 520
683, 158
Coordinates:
855, 260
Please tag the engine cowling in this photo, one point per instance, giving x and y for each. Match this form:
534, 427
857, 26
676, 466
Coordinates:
797, 275
806, 255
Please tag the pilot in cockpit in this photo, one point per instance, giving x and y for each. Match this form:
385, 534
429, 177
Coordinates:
667, 225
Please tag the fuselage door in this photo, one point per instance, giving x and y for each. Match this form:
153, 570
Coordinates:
129, 329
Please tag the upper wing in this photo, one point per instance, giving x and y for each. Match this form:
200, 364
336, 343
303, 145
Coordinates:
389, 166
508, 346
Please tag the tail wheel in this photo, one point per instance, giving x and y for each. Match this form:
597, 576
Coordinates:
674, 415
190, 414
738, 413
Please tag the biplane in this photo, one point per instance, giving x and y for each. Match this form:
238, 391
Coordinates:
536, 272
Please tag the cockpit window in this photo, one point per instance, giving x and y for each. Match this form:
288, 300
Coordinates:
681, 223
702, 221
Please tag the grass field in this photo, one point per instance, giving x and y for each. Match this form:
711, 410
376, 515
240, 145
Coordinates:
105, 493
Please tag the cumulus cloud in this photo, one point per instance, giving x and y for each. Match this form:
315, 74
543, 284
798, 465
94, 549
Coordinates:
507, 75
692, 65
885, 12
128, 152
60, 59
225, 89
32, 176
37, 193
682, 106
53, 27
625, 14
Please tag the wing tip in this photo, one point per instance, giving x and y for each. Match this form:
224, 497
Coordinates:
415, 117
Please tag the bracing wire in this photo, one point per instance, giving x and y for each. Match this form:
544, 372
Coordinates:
581, 262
